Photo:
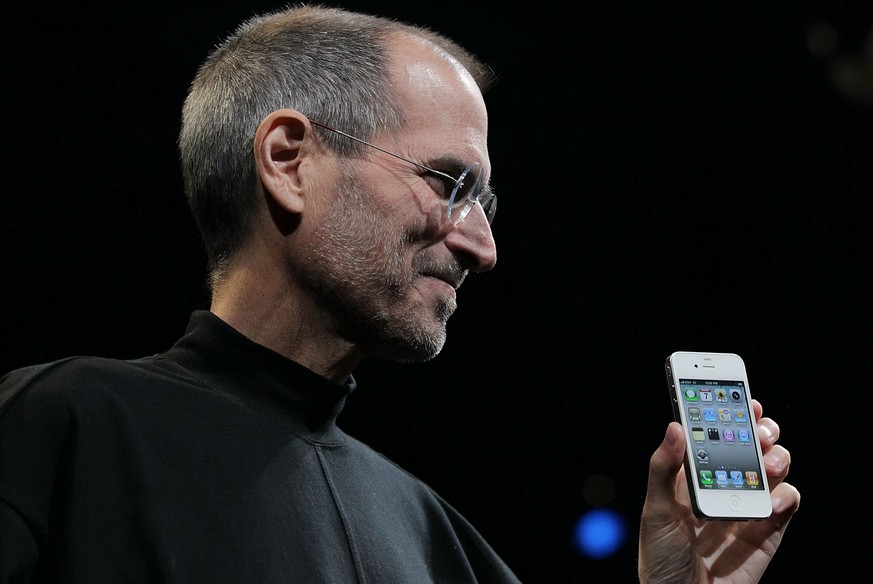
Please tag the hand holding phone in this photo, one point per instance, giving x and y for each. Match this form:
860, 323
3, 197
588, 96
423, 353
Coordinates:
723, 460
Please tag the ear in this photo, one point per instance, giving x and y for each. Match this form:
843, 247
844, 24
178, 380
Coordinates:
279, 156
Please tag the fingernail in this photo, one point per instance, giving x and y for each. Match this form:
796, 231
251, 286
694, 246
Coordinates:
669, 438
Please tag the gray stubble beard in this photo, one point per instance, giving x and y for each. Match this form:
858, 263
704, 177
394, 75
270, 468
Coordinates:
355, 272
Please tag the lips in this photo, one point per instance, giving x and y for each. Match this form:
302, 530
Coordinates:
447, 270
453, 278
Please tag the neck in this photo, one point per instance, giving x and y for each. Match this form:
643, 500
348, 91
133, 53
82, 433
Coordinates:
269, 311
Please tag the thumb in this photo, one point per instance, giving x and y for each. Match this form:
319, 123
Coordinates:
665, 464
665, 545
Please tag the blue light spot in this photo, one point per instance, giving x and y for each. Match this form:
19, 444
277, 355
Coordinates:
600, 533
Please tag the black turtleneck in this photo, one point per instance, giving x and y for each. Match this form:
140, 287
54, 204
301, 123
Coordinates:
219, 461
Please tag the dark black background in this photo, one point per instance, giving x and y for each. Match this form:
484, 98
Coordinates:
672, 176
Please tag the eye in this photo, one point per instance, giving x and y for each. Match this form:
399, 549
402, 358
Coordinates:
441, 185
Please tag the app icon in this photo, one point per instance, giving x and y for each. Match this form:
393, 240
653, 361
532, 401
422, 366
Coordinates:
697, 434
744, 435
720, 395
728, 434
706, 395
712, 433
721, 477
706, 477
740, 416
751, 478
724, 414
736, 395
694, 414
709, 414
690, 394
736, 477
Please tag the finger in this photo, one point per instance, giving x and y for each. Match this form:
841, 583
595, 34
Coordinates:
777, 461
757, 409
665, 464
768, 433
786, 502
767, 534
683, 496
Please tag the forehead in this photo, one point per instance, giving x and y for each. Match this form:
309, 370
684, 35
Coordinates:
440, 101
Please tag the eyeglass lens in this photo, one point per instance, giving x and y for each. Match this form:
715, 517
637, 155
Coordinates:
467, 192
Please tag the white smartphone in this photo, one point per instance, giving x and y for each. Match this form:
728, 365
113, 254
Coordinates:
723, 461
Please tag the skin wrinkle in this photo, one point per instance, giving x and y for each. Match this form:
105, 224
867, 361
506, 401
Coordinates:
371, 265
355, 241
377, 255
321, 252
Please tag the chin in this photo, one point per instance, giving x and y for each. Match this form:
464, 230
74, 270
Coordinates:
416, 344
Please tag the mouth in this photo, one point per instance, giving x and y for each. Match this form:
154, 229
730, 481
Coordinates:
452, 277
440, 286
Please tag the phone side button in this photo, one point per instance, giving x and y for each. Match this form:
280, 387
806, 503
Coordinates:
735, 503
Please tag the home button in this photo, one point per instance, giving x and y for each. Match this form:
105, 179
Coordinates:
735, 503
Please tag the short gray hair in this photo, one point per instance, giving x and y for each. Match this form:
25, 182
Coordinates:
328, 63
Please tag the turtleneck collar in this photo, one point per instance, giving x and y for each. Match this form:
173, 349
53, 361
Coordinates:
227, 361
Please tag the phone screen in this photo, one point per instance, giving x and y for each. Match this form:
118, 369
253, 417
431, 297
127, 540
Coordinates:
720, 426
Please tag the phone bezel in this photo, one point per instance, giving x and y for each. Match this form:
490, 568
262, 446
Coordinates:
715, 503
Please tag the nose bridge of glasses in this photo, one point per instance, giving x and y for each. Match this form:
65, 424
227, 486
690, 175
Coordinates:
489, 205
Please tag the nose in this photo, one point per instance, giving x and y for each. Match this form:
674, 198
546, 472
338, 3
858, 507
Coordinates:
472, 241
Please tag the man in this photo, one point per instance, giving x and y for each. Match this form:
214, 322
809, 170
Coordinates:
337, 167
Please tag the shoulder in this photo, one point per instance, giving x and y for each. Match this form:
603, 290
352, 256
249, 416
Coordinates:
72, 379
388, 472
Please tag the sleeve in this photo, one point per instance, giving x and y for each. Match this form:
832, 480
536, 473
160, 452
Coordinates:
33, 429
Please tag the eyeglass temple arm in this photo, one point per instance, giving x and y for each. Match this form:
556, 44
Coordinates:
421, 166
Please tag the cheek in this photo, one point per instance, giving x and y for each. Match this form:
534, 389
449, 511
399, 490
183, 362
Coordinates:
408, 203
420, 219
395, 214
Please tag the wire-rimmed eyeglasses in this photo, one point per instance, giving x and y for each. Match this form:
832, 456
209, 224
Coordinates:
468, 187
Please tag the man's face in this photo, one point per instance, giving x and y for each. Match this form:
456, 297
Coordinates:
384, 259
